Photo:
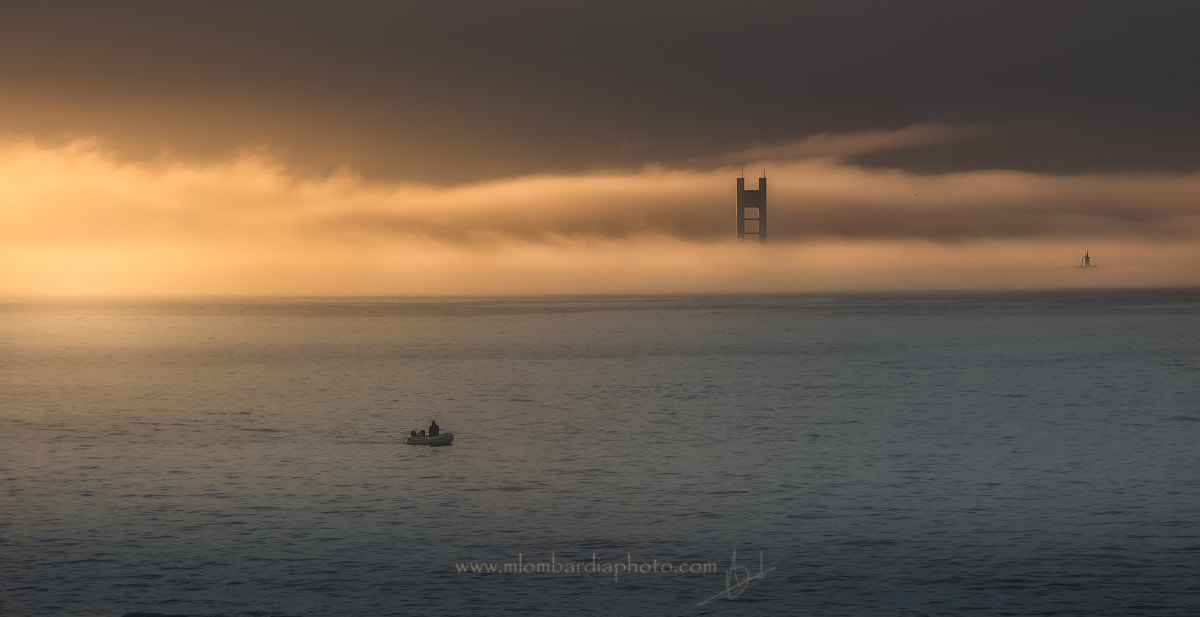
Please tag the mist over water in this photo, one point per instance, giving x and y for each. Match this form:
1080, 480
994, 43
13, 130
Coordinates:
887, 454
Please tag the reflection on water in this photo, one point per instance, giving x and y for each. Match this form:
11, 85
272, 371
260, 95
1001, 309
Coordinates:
968, 454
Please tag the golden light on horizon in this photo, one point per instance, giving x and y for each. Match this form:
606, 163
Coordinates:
77, 221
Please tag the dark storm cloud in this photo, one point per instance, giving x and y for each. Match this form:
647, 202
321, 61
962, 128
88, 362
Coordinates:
457, 91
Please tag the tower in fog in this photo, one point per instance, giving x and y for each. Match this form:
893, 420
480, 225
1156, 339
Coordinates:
752, 210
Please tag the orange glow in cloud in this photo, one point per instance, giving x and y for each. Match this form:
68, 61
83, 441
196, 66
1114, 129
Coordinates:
75, 221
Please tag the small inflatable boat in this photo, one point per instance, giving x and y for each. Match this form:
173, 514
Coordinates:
441, 440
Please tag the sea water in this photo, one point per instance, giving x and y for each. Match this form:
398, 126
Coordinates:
822, 455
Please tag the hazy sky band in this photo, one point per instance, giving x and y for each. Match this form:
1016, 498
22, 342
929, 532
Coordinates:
79, 221
81, 193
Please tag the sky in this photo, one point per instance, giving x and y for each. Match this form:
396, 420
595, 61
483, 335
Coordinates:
491, 147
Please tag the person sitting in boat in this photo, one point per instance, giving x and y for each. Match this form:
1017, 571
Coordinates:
412, 433
422, 433
434, 429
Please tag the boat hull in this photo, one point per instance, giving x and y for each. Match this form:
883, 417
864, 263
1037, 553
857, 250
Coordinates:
441, 440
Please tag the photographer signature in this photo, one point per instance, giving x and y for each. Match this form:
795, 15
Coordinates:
737, 578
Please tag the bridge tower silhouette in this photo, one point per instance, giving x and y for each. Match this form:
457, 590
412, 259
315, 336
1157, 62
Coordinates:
752, 210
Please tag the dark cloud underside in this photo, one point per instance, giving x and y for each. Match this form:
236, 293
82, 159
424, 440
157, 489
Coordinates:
458, 91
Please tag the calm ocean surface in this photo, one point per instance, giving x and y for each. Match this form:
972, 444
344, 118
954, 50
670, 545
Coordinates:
896, 454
